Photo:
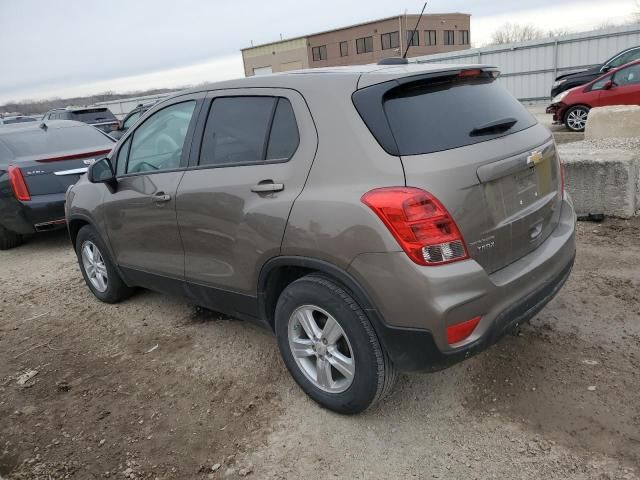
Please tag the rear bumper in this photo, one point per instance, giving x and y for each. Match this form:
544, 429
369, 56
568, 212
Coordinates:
41, 213
416, 304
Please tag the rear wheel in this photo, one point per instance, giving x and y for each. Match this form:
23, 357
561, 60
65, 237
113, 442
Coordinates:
9, 239
98, 270
330, 347
576, 118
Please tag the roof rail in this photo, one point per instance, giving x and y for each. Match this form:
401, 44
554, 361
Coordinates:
393, 61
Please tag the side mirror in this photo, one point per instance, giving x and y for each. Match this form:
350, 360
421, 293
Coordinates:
605, 69
608, 86
101, 171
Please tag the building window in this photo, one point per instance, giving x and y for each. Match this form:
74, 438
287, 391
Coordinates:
430, 37
464, 37
344, 49
390, 40
449, 37
413, 38
364, 45
319, 53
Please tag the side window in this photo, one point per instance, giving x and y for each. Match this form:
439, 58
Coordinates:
284, 138
157, 143
245, 130
121, 160
599, 85
628, 76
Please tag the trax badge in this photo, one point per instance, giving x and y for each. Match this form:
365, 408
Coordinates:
535, 158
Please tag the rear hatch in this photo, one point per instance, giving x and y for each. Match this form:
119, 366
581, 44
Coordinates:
52, 159
463, 138
101, 118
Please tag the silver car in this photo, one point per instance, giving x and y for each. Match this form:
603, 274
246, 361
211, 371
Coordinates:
377, 219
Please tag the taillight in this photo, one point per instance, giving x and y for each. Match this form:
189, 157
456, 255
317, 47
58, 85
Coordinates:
458, 332
419, 222
16, 180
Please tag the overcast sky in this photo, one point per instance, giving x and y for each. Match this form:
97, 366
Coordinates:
75, 47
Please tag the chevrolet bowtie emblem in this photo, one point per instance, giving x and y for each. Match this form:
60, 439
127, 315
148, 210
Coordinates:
535, 158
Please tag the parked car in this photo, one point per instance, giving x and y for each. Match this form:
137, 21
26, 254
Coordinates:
376, 218
38, 161
131, 118
99, 117
575, 79
16, 119
620, 86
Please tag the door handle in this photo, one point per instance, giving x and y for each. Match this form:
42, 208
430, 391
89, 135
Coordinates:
161, 197
267, 186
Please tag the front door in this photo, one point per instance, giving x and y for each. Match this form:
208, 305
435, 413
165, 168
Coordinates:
625, 89
251, 158
140, 215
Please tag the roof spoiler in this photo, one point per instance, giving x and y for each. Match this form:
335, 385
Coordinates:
393, 61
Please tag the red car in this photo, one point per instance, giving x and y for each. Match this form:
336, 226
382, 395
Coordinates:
620, 86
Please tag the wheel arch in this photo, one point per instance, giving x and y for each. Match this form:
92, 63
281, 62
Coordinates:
279, 272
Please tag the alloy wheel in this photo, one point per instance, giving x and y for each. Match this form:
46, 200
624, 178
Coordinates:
94, 266
577, 119
321, 349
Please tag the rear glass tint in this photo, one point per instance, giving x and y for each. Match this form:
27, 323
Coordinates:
26, 143
428, 117
93, 116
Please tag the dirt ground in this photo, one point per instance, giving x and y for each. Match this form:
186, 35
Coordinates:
155, 388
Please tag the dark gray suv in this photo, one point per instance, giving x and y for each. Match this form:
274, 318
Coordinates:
377, 218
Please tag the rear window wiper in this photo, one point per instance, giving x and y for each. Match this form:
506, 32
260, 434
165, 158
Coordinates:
497, 126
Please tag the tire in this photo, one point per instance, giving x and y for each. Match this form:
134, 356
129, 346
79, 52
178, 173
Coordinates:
112, 288
9, 239
576, 118
357, 349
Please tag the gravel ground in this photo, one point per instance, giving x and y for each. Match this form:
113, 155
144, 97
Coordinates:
155, 388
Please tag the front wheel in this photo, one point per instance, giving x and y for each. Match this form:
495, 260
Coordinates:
576, 118
98, 270
330, 347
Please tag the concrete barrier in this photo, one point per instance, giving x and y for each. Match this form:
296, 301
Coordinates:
622, 121
603, 176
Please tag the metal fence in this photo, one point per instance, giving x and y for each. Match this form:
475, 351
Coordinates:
528, 69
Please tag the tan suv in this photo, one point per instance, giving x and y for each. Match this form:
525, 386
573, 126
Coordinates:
376, 218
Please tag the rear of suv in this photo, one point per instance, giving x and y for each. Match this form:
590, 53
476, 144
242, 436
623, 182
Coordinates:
98, 117
376, 219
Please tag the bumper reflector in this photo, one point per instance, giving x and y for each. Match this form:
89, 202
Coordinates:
458, 332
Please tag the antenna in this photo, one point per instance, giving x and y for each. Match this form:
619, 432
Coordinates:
415, 29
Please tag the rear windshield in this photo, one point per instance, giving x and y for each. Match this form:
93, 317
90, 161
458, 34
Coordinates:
9, 121
428, 117
95, 115
27, 143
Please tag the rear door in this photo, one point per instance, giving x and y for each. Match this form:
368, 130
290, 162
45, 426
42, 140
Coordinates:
254, 153
139, 214
467, 141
